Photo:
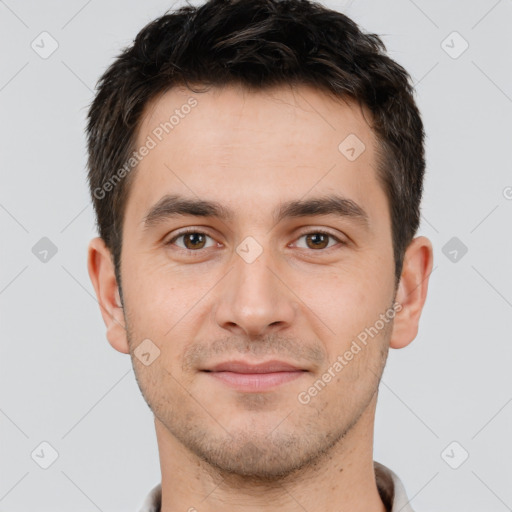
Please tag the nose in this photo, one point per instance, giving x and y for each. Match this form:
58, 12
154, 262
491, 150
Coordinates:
254, 300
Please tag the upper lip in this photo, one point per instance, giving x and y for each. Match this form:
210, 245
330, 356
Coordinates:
245, 367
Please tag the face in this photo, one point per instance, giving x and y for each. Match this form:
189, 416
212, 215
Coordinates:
256, 252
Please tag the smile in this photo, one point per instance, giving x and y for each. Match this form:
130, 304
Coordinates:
247, 377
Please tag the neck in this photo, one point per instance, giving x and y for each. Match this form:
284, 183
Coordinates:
341, 479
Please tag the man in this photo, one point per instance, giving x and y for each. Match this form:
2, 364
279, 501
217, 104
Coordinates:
256, 167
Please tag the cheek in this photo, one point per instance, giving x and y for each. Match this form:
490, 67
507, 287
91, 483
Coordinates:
158, 296
343, 306
169, 316
339, 296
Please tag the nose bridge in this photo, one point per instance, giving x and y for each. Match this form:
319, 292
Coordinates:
254, 282
253, 299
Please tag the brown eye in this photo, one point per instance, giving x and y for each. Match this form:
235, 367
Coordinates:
194, 240
191, 240
317, 240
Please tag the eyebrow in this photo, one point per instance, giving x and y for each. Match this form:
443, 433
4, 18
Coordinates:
172, 206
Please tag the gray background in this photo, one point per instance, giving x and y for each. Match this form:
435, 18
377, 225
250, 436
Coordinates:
61, 382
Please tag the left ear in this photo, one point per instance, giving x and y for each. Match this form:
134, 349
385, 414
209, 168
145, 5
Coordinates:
412, 291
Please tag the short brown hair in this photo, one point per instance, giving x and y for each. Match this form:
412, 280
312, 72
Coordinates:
256, 43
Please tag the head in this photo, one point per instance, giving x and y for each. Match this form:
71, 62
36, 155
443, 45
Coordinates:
289, 146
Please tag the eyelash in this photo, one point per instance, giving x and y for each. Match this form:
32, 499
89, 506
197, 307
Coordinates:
196, 231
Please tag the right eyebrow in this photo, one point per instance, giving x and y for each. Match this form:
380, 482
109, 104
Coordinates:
175, 205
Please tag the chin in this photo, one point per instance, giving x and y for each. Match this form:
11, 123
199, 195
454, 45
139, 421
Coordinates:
259, 457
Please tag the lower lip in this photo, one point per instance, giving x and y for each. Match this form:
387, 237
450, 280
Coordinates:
256, 381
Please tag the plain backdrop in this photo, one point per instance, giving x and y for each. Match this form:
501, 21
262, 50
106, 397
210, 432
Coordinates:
444, 398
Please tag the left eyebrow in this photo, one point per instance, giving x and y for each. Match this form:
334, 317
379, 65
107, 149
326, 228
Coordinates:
171, 206
327, 205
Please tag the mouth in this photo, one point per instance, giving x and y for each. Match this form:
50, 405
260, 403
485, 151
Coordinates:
248, 377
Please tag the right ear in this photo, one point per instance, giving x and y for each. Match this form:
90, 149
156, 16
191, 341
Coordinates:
102, 273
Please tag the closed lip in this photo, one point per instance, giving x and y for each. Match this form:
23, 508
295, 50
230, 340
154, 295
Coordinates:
247, 368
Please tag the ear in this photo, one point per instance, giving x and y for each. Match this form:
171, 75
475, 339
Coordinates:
412, 291
102, 274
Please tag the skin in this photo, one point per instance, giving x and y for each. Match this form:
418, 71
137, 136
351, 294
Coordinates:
222, 449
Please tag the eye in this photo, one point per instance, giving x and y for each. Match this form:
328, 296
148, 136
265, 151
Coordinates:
192, 240
319, 240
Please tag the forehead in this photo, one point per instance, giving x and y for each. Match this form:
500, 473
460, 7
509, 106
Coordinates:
254, 147
226, 116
